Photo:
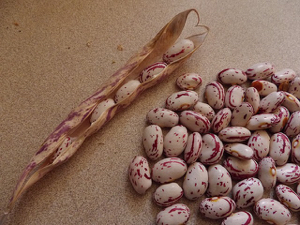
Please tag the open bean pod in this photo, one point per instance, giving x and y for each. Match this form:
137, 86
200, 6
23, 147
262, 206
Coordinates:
77, 125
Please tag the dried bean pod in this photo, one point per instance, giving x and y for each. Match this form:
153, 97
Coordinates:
221, 120
280, 148
240, 169
212, 149
153, 141
162, 117
175, 214
215, 94
241, 217
292, 127
234, 96
205, 109
267, 172
175, 141
239, 150
252, 96
295, 155
194, 121
167, 194
77, 123
260, 143
193, 148
152, 71
189, 81
260, 71
181, 100
294, 87
234, 134
246, 192
283, 114
288, 197
232, 76
264, 87
139, 174
272, 211
262, 121
291, 102
195, 181
285, 75
219, 181
271, 102
217, 207
179, 50
242, 114
288, 173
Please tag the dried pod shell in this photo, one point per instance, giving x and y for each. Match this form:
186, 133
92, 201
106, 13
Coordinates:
252, 96
167, 194
234, 96
162, 117
267, 172
241, 114
232, 76
212, 149
174, 214
221, 120
153, 141
260, 71
205, 109
189, 81
264, 87
215, 94
260, 143
181, 100
195, 181
175, 141
139, 174
288, 197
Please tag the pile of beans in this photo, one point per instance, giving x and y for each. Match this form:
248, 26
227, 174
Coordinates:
244, 140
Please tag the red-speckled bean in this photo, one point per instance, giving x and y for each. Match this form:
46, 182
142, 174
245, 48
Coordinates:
291, 102
280, 148
219, 181
195, 181
242, 114
283, 114
178, 50
294, 87
264, 87
217, 207
260, 71
288, 197
295, 155
162, 117
193, 148
246, 192
102, 106
175, 214
152, 71
234, 134
234, 96
241, 217
262, 121
181, 100
288, 173
260, 143
232, 76
139, 174
215, 94
267, 172
175, 141
168, 170
189, 81
212, 149
252, 96
272, 211
205, 109
285, 75
153, 141
239, 150
126, 90
271, 102
292, 127
221, 120
240, 169
194, 121
167, 194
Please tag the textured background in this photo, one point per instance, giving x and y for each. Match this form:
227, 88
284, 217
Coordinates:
54, 54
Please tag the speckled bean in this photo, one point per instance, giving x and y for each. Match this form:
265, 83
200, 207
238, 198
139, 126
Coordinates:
168, 169
280, 148
283, 114
241, 114
205, 109
267, 172
288, 197
291, 102
175, 141
212, 149
239, 150
221, 120
260, 143
285, 75
194, 121
271, 102
288, 173
176, 214
238, 218
272, 211
292, 127
181, 100
139, 174
101, 107
232, 76
153, 141
252, 96
295, 154
167, 194
234, 134
179, 50
189, 81
195, 181
215, 94
234, 96
260, 71
219, 181
126, 89
262, 121
294, 87
193, 148
152, 71
162, 117
217, 207
264, 87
